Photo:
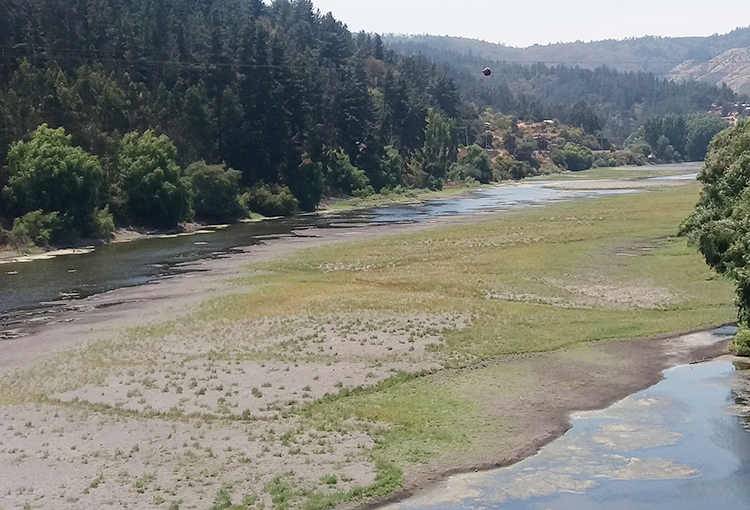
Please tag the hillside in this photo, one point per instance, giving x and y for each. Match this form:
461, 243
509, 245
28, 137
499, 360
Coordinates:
731, 68
658, 55
278, 103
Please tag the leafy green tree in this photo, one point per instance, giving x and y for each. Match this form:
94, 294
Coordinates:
524, 151
720, 224
506, 168
665, 151
440, 146
582, 115
215, 192
342, 176
49, 175
199, 123
307, 183
577, 157
154, 190
391, 168
479, 163
700, 131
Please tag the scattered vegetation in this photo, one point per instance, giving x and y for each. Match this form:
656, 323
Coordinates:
350, 349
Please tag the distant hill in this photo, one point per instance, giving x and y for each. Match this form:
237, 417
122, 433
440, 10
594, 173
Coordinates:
658, 55
731, 68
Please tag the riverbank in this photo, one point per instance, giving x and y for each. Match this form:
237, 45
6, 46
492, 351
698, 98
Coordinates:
11, 254
322, 376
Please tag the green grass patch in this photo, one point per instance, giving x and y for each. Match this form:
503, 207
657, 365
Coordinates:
550, 261
625, 172
387, 197
388, 478
416, 419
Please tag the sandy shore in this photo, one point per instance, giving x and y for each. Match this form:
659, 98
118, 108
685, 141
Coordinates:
134, 460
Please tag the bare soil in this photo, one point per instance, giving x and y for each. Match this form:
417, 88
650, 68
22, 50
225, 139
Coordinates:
199, 421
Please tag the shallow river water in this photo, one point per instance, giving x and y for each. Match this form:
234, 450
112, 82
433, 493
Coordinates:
680, 445
30, 290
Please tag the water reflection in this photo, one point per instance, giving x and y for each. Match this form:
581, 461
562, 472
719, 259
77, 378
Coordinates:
35, 291
678, 445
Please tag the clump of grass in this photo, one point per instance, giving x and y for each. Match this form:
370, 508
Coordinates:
388, 478
329, 479
143, 482
740, 345
282, 493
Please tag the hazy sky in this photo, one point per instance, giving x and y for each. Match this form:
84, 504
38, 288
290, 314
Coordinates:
526, 22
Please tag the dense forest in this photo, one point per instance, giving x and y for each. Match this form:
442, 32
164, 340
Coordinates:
153, 113
602, 99
285, 96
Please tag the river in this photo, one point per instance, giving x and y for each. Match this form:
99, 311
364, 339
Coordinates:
682, 444
33, 292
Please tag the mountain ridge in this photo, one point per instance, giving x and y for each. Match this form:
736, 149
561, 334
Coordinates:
731, 68
658, 55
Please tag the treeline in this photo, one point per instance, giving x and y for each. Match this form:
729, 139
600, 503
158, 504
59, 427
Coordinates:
601, 100
674, 138
151, 113
287, 97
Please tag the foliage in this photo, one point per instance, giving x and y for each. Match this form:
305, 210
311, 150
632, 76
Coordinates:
155, 190
701, 130
478, 163
524, 150
307, 183
104, 223
604, 100
215, 192
577, 157
37, 228
440, 147
674, 137
460, 172
740, 345
342, 176
48, 174
720, 224
269, 89
507, 168
391, 168
271, 200
651, 54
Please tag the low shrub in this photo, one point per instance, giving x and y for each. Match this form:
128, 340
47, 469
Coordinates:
37, 228
215, 192
104, 223
505, 168
740, 346
272, 200
577, 157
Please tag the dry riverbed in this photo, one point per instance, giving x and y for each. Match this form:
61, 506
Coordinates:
285, 377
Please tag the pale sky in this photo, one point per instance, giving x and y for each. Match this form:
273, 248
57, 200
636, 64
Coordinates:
526, 22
